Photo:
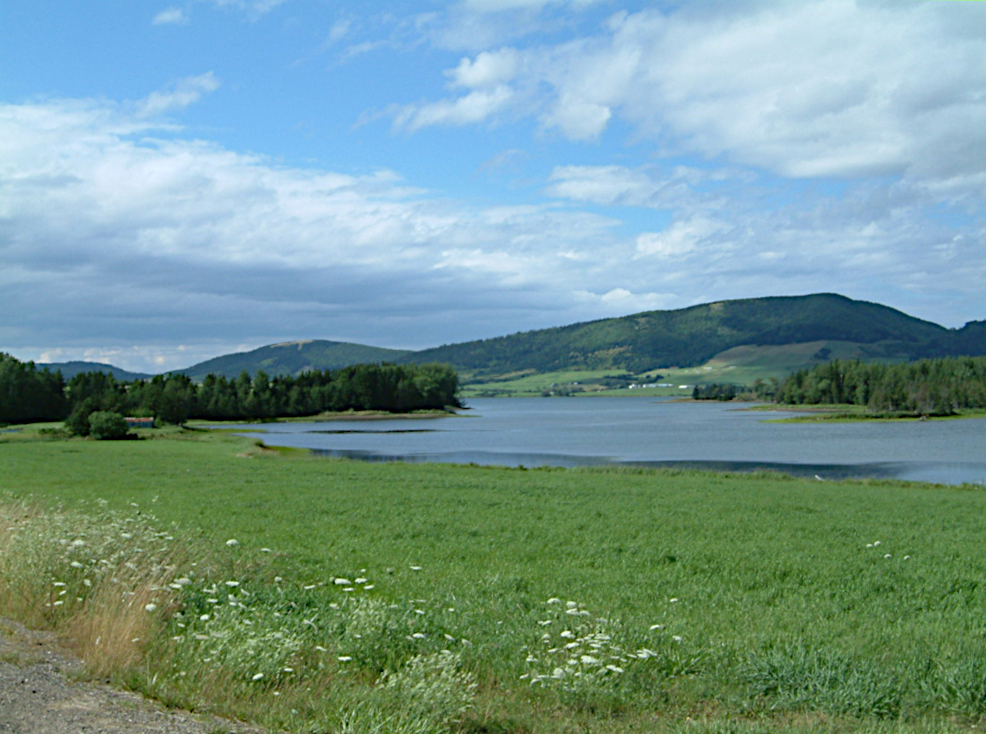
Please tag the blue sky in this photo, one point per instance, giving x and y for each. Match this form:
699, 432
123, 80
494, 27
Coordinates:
184, 179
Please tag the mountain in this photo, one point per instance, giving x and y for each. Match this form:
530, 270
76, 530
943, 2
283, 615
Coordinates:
691, 336
763, 336
293, 358
71, 369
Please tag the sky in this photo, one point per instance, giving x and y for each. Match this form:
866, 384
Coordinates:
180, 180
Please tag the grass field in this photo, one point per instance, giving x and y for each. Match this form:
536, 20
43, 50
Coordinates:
738, 366
719, 603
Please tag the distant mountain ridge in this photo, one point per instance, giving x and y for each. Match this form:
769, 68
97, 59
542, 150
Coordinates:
636, 343
293, 358
691, 336
71, 369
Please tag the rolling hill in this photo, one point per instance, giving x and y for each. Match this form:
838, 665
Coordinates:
734, 341
293, 358
692, 336
71, 369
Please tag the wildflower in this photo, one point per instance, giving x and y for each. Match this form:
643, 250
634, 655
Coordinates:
265, 550
368, 587
278, 579
568, 634
676, 638
672, 600
76, 564
361, 580
907, 558
152, 607
320, 648
554, 600
258, 676
572, 604
342, 582
876, 543
288, 670
204, 618
589, 660
309, 587
656, 627
415, 568
545, 623
183, 581
232, 584
419, 635
78, 543
614, 668
887, 555
232, 542
59, 583
449, 637
344, 658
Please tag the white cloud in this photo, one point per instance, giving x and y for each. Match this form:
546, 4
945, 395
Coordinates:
823, 88
473, 107
680, 239
488, 69
339, 31
181, 94
254, 8
171, 16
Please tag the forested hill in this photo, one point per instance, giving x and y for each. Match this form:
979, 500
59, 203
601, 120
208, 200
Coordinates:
293, 358
691, 336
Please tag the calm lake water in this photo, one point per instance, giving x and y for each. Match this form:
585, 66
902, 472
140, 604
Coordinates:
652, 432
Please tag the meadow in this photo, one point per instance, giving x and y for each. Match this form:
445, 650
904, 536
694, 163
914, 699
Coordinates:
315, 595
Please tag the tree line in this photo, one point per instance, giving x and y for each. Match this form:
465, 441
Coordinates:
926, 387
29, 394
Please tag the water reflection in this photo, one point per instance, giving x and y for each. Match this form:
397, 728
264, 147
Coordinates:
569, 432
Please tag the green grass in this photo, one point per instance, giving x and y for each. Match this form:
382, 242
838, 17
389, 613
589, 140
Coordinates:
739, 366
790, 618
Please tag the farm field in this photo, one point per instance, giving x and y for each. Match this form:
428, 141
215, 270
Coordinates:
739, 366
518, 600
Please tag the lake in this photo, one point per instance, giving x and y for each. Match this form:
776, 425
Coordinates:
652, 432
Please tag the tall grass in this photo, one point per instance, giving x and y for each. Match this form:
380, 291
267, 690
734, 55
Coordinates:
202, 634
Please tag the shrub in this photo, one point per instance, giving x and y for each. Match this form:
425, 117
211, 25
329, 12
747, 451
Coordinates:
104, 425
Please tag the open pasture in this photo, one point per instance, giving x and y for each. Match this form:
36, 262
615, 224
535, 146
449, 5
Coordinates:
553, 600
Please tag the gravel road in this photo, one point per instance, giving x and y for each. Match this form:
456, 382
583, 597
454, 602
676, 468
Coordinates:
38, 695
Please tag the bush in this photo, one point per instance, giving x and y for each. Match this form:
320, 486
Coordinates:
104, 425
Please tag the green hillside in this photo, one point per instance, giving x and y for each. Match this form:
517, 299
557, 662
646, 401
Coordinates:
293, 358
691, 336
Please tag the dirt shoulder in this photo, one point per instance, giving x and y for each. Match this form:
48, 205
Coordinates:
40, 693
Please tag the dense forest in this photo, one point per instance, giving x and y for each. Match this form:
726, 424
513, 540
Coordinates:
29, 394
925, 387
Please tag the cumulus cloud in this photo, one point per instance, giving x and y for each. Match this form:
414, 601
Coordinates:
115, 230
825, 88
181, 94
171, 16
680, 239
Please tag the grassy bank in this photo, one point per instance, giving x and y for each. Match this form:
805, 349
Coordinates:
384, 597
839, 413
